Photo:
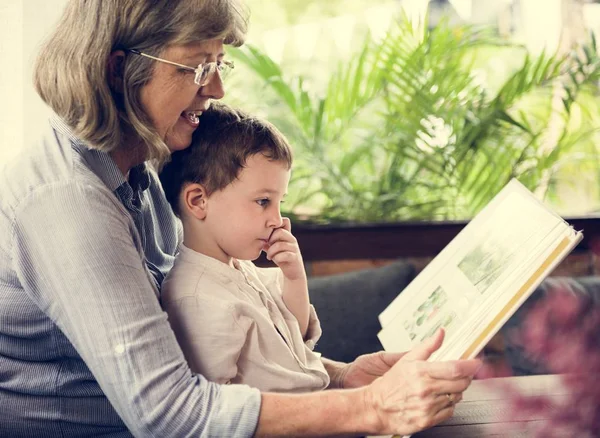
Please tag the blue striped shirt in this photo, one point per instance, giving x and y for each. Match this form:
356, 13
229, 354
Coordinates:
85, 348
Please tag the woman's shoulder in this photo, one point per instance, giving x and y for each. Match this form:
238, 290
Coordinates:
52, 169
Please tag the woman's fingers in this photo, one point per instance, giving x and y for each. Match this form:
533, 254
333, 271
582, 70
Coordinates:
411, 400
430, 410
445, 399
426, 348
441, 408
450, 386
455, 397
443, 414
453, 369
416, 394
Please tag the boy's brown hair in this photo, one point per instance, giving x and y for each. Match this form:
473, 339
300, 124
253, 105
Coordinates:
221, 145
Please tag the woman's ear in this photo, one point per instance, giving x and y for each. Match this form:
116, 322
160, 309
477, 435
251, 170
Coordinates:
194, 199
115, 69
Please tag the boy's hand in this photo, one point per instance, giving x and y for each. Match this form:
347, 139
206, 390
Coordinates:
283, 250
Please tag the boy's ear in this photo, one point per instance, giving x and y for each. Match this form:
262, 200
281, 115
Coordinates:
195, 200
115, 69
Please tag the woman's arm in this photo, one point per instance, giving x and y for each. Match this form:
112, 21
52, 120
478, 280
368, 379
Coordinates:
76, 258
75, 254
318, 414
413, 395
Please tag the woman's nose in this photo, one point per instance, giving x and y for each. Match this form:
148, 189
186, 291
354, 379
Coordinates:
214, 88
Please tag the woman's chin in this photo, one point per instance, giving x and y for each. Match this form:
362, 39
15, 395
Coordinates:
178, 145
179, 141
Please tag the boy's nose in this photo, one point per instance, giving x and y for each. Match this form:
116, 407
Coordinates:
275, 221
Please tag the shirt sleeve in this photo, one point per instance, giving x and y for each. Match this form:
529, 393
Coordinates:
75, 253
314, 331
272, 279
210, 333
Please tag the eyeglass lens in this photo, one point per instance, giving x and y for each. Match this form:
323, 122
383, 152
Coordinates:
205, 72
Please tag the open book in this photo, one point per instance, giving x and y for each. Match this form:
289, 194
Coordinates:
481, 278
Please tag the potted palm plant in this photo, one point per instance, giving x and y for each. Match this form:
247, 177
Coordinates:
408, 130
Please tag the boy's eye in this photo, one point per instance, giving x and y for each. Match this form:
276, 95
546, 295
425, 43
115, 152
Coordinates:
263, 202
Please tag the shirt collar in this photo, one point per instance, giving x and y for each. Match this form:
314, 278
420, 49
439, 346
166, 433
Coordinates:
211, 265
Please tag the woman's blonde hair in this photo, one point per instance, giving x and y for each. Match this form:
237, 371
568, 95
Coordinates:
71, 71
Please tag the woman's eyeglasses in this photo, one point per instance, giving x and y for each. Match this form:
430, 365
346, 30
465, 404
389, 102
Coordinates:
203, 73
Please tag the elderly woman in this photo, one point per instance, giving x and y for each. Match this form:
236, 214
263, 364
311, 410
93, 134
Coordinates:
87, 237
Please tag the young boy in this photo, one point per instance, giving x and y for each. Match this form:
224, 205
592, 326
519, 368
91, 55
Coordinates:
235, 322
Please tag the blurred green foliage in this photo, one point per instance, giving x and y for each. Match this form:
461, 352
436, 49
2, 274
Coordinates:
420, 126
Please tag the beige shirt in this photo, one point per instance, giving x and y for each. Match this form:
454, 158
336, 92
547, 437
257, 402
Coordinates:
234, 327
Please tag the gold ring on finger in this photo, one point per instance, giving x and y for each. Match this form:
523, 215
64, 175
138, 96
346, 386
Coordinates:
450, 398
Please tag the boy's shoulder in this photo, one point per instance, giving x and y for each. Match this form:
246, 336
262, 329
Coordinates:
194, 274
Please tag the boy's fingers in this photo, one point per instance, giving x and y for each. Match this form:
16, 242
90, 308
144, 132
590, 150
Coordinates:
283, 257
281, 234
280, 247
286, 224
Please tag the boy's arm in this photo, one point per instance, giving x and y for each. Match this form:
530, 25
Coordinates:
295, 297
283, 250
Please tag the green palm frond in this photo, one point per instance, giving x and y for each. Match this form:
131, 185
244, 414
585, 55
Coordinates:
408, 130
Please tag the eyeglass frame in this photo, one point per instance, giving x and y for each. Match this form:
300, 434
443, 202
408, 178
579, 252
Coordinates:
214, 66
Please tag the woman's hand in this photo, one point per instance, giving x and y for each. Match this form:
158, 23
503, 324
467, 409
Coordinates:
415, 394
363, 371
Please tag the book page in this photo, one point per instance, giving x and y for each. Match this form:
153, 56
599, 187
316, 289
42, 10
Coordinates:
477, 274
504, 211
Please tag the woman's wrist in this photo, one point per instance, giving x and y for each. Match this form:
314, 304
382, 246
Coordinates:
324, 413
370, 407
363, 401
358, 409
362, 409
